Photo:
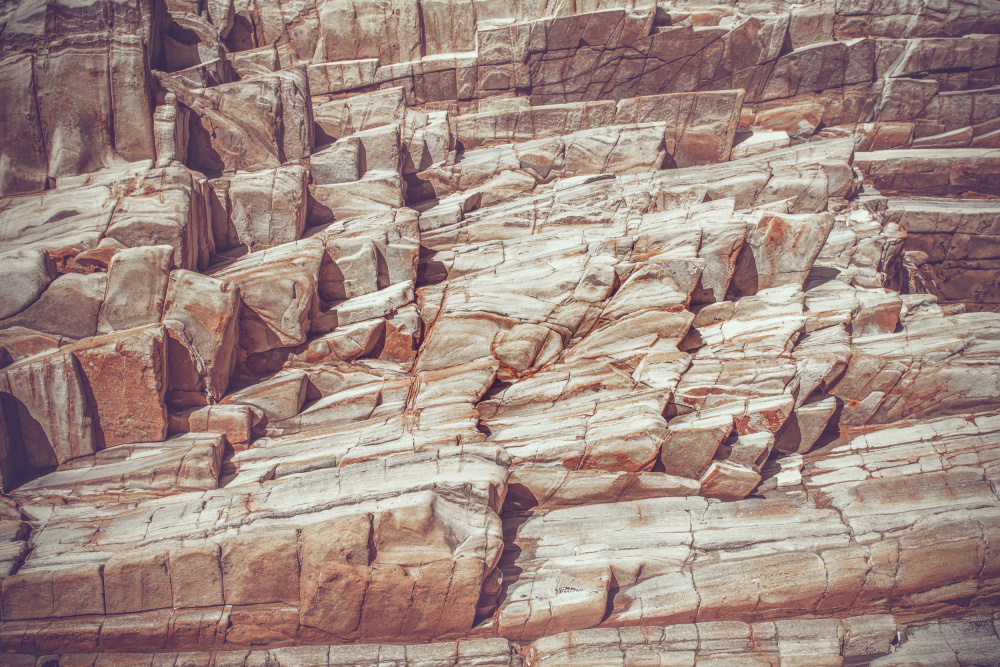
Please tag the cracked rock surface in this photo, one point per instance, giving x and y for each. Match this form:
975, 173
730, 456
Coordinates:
501, 334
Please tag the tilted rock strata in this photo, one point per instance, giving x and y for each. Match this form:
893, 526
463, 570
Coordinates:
499, 334
877, 640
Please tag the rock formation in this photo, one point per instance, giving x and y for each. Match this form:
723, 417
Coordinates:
454, 333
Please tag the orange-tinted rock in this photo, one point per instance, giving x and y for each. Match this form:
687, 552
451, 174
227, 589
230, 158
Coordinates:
201, 315
126, 376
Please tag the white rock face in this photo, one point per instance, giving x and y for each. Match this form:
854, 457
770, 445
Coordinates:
499, 333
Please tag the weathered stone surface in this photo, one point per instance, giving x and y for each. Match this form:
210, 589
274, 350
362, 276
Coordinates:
125, 373
278, 397
18, 343
69, 307
165, 207
277, 286
256, 123
821, 578
420, 537
480, 652
339, 163
26, 277
236, 422
189, 463
932, 171
47, 416
817, 642
137, 287
100, 61
702, 125
110, 388
201, 315
436, 332
337, 119
512, 169
268, 208
953, 245
375, 192
75, 214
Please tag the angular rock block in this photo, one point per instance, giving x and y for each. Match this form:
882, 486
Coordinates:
26, 277
70, 306
137, 287
103, 68
166, 207
509, 170
831, 573
48, 417
396, 239
339, 163
126, 376
201, 316
277, 287
932, 171
783, 642
337, 119
342, 570
277, 398
257, 123
268, 208
235, 422
703, 125
189, 463
113, 386
375, 192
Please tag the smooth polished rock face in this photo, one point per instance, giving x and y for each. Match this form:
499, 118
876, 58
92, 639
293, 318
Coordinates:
504, 334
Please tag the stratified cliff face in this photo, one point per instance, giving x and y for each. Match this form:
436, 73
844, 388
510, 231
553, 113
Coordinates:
499, 333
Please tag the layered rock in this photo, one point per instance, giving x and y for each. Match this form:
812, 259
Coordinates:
454, 333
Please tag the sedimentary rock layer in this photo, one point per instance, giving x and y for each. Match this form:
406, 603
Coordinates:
492, 333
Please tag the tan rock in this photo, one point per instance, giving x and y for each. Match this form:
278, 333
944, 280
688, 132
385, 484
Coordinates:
236, 422
277, 286
126, 376
134, 470
256, 123
268, 208
26, 277
166, 206
339, 163
137, 581
196, 575
335, 562
690, 445
69, 306
257, 569
49, 418
340, 118
278, 397
376, 192
631, 333
73, 591
201, 316
137, 286
728, 481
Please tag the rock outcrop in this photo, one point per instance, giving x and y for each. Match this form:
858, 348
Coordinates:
503, 334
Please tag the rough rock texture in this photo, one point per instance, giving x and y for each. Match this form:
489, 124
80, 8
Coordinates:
507, 334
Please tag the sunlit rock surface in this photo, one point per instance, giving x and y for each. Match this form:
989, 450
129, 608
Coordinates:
503, 334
